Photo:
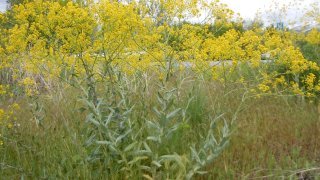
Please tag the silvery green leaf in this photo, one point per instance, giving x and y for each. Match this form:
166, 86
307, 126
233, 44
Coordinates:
92, 120
169, 105
145, 168
171, 91
130, 146
211, 157
153, 138
195, 155
175, 157
157, 111
128, 111
224, 142
120, 161
213, 122
225, 129
108, 119
112, 148
123, 136
124, 169
173, 113
160, 98
196, 167
136, 159
156, 163
121, 102
90, 140
147, 147
201, 172
173, 128
152, 124
142, 152
103, 142
189, 175
112, 110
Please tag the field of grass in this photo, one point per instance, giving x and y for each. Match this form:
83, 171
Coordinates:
269, 137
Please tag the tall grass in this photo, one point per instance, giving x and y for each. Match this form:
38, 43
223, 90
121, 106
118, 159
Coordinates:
145, 128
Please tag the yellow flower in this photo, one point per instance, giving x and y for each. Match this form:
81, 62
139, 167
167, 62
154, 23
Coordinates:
310, 80
263, 87
3, 90
280, 80
2, 114
10, 125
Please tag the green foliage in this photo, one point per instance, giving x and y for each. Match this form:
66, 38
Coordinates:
15, 2
138, 133
310, 51
218, 29
156, 145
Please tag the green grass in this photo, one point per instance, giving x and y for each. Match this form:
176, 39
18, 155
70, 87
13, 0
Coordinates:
272, 136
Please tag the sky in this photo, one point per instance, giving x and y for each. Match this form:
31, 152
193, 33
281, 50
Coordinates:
249, 8
3, 5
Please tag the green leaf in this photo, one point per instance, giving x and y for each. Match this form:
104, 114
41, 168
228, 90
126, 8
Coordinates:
103, 142
159, 114
93, 121
175, 157
195, 155
156, 164
153, 138
123, 136
130, 146
136, 159
147, 147
173, 114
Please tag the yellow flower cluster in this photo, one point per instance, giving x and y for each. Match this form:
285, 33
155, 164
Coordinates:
310, 79
313, 37
50, 39
3, 89
29, 86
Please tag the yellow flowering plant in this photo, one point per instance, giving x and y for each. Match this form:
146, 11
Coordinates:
51, 39
110, 51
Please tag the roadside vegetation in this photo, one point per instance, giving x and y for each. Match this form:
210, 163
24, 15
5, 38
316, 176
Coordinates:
101, 90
